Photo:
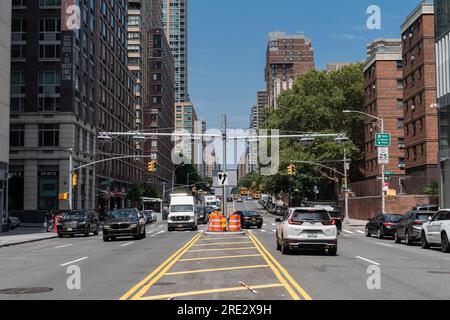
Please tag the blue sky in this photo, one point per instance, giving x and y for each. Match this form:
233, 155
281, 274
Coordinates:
228, 38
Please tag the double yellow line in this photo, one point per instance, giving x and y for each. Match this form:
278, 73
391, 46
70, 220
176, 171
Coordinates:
143, 286
287, 281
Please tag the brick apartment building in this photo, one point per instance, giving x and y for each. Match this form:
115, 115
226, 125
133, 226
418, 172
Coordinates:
383, 99
287, 58
419, 95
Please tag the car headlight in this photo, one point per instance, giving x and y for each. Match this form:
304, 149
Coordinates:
134, 225
106, 226
82, 223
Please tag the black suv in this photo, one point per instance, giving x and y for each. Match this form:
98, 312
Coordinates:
78, 222
124, 223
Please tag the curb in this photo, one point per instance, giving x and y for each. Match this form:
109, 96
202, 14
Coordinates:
26, 241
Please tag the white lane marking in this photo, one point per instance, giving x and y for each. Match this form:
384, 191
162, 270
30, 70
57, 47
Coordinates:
148, 232
156, 234
383, 244
72, 262
367, 260
274, 230
127, 244
274, 224
359, 231
346, 231
263, 230
264, 224
64, 246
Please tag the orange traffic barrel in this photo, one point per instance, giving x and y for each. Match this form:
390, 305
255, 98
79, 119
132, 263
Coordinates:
234, 223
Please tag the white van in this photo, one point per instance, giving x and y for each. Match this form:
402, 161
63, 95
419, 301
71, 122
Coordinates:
181, 212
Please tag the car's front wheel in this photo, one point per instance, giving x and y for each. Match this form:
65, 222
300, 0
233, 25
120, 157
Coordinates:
380, 234
284, 249
408, 241
445, 243
424, 241
367, 232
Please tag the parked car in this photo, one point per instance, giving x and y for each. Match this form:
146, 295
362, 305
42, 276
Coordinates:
249, 198
124, 223
78, 222
436, 231
239, 200
250, 219
202, 215
13, 222
383, 225
229, 199
306, 228
149, 216
409, 228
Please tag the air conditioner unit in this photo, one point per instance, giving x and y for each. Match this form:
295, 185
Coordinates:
413, 57
413, 107
402, 166
410, 35
401, 146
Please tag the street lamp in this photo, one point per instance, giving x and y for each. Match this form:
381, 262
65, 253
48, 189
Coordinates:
381, 120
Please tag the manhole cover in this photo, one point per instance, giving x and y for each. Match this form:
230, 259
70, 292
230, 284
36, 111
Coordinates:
25, 290
439, 272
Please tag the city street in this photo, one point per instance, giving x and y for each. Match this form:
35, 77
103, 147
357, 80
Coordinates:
191, 265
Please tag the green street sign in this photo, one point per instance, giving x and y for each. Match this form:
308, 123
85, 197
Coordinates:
382, 140
389, 173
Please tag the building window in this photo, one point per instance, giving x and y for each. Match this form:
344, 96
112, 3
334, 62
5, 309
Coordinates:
17, 135
400, 123
399, 84
399, 104
49, 3
49, 91
48, 135
17, 91
399, 65
48, 190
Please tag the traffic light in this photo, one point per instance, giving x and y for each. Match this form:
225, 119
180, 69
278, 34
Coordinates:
152, 166
74, 180
291, 169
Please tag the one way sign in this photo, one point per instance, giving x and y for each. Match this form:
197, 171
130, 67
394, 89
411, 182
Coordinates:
222, 179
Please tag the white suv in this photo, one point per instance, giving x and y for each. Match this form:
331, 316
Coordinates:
307, 228
437, 231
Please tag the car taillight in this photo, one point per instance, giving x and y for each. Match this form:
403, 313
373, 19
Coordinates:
417, 223
290, 221
329, 222
388, 224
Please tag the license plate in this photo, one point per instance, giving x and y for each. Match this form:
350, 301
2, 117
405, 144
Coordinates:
312, 235
69, 229
253, 220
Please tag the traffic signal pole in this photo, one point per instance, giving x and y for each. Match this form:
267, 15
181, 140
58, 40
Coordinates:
70, 177
224, 190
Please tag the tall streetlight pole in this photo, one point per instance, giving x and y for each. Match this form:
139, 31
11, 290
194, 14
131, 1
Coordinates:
70, 177
383, 173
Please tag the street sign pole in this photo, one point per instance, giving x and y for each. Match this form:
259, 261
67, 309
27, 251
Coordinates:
347, 218
383, 198
224, 192
70, 177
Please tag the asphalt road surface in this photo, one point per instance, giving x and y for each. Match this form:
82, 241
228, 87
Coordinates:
190, 265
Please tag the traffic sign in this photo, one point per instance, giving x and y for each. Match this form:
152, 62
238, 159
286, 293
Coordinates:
222, 179
383, 140
389, 173
383, 155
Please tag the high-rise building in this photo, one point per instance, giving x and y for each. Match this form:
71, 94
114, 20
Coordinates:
53, 94
70, 80
383, 99
175, 24
442, 35
115, 106
5, 73
335, 66
159, 115
185, 119
419, 95
287, 58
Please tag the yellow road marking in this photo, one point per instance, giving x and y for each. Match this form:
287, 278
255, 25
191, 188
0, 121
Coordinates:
223, 238
217, 269
304, 294
163, 271
277, 273
202, 292
222, 249
222, 257
150, 276
219, 244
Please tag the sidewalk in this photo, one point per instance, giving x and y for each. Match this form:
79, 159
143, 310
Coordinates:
24, 235
357, 223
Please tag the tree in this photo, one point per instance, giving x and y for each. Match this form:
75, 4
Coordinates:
135, 193
315, 105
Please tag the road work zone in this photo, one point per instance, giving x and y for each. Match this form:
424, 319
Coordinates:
225, 268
